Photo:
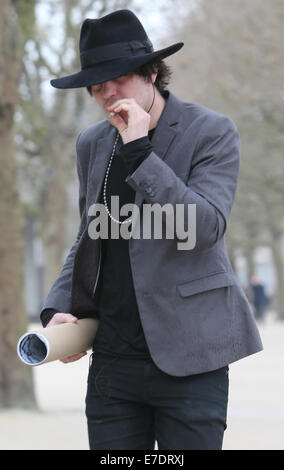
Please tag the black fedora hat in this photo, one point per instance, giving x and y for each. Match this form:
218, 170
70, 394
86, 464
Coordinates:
110, 47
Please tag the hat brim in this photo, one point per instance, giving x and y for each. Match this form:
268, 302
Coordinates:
106, 71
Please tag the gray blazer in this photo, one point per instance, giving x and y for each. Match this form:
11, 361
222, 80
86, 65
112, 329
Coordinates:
194, 313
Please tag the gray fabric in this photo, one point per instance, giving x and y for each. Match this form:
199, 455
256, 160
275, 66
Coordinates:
194, 313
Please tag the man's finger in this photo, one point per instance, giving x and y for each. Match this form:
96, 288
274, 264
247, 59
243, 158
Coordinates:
73, 358
122, 107
68, 317
117, 121
118, 102
62, 318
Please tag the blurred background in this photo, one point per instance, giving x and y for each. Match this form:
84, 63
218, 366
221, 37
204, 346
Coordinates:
232, 62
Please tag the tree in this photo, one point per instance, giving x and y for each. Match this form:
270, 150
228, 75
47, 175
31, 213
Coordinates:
16, 385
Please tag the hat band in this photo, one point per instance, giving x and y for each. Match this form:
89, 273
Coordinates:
120, 50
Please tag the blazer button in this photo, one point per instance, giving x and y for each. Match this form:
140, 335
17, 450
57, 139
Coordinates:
150, 191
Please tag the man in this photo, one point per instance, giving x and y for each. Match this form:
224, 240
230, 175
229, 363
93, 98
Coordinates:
172, 315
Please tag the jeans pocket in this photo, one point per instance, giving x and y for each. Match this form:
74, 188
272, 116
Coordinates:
99, 377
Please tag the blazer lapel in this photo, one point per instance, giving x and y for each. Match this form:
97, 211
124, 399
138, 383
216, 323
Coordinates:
100, 159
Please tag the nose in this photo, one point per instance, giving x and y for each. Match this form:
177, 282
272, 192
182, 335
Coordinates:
109, 89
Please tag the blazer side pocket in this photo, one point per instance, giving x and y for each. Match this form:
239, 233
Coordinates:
213, 281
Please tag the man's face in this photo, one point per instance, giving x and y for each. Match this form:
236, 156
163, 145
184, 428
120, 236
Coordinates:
128, 86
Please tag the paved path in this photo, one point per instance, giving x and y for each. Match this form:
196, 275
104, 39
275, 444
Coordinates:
255, 414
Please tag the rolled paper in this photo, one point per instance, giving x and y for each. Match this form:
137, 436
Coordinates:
57, 341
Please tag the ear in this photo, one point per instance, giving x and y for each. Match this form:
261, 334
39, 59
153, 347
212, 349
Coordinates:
153, 77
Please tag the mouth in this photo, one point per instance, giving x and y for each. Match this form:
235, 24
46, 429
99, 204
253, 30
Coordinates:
110, 102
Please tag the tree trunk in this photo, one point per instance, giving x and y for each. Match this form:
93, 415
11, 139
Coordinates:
58, 154
16, 385
54, 209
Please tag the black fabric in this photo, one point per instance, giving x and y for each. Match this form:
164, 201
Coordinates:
120, 332
110, 47
130, 404
121, 50
46, 315
135, 152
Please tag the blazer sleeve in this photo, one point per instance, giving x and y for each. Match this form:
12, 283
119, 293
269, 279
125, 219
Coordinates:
59, 296
211, 184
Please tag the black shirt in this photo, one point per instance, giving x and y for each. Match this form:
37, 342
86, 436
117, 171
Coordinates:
120, 331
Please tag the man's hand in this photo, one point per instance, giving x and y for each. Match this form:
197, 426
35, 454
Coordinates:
131, 121
59, 318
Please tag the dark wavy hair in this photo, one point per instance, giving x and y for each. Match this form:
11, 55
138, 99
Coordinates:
146, 70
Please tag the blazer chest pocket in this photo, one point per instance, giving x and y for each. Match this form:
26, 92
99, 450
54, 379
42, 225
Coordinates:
212, 281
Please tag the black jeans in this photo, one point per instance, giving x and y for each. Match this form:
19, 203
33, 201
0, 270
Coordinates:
131, 403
